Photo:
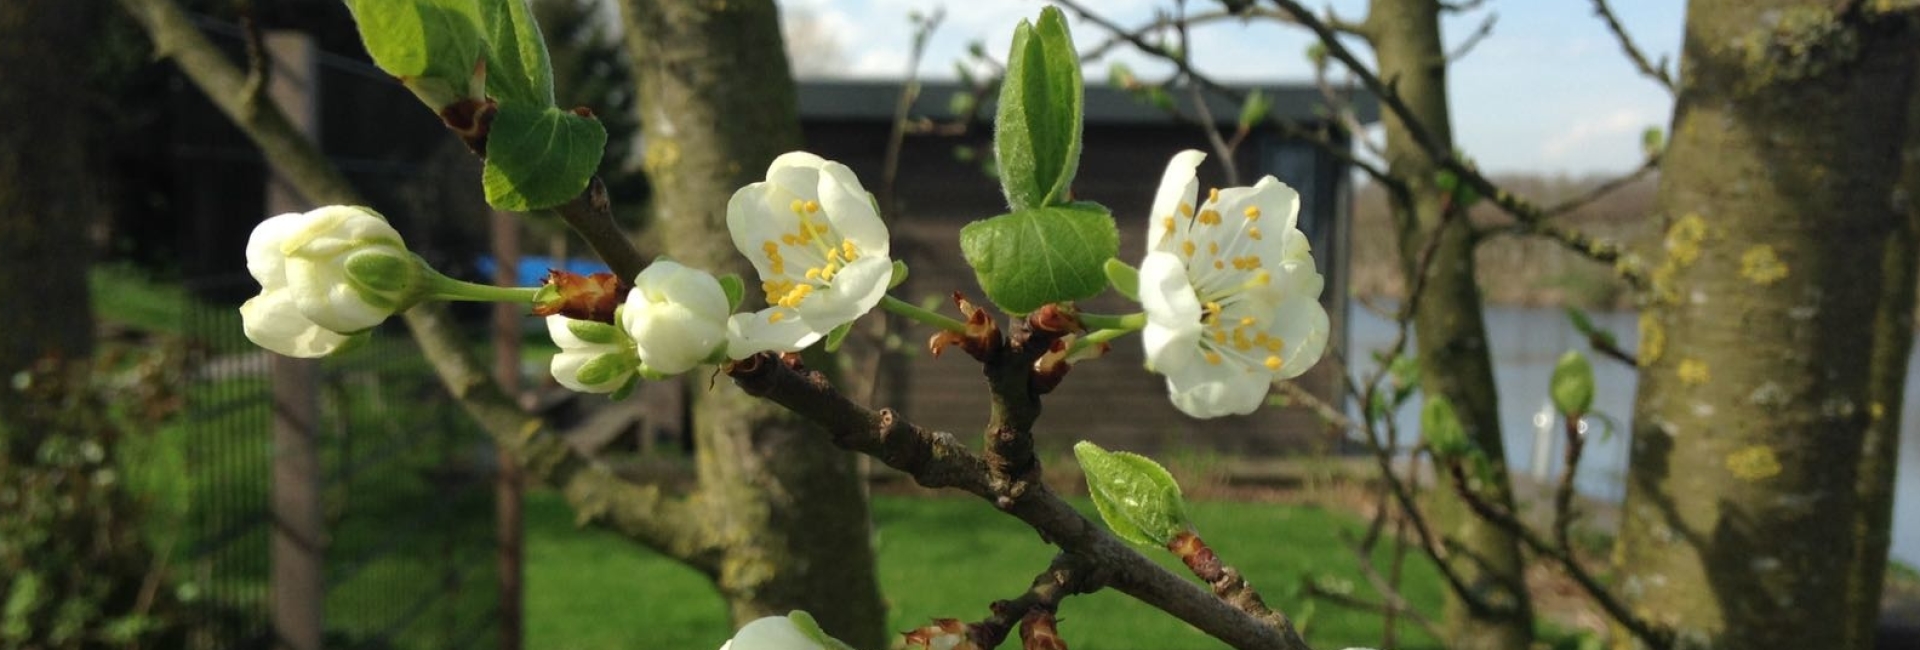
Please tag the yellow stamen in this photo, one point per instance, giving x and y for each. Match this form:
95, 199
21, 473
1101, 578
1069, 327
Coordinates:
1186, 210
850, 250
813, 273
1252, 212
1209, 217
790, 239
1254, 232
1247, 321
1213, 357
1213, 195
813, 206
1187, 247
1168, 223
776, 317
1273, 363
1213, 248
1219, 265
797, 206
770, 247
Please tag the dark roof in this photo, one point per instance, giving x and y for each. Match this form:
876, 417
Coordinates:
876, 100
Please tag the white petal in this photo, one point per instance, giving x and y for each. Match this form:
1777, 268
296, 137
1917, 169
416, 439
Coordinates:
797, 172
1171, 349
322, 292
1178, 185
264, 260
759, 213
854, 292
750, 334
698, 290
1166, 293
772, 633
272, 321
1301, 324
671, 339
849, 210
1206, 390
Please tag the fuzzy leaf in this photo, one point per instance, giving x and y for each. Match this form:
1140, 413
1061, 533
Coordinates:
1572, 384
518, 70
1037, 127
430, 45
1441, 428
1123, 278
540, 157
1033, 257
1137, 498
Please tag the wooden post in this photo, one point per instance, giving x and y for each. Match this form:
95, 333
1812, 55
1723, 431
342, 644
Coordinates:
510, 483
298, 549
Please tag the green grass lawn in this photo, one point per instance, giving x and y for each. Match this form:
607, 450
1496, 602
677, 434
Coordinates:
942, 557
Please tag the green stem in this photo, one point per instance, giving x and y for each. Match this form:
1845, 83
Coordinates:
1126, 323
914, 312
1096, 337
441, 287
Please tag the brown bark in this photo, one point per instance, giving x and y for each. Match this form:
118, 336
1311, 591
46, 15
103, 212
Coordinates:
1450, 328
1754, 397
45, 184
1886, 390
717, 104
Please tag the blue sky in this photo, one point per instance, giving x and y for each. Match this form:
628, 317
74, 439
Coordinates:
1548, 92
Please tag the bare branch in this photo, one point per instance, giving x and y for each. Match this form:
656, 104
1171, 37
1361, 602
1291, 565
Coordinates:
1646, 166
1658, 73
1069, 574
936, 459
1479, 34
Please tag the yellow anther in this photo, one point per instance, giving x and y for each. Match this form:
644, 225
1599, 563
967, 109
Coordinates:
1273, 363
1261, 279
798, 206
790, 239
1219, 265
813, 273
1213, 195
1186, 210
1219, 336
833, 256
1273, 344
779, 266
1168, 223
1209, 217
850, 250
1252, 212
1187, 247
1213, 357
1247, 321
1213, 248
776, 317
812, 206
770, 247
1253, 231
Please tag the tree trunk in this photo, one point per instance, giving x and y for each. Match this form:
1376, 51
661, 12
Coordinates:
717, 105
45, 184
1886, 390
1451, 331
1756, 342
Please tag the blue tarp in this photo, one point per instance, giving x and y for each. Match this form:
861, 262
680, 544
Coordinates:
533, 268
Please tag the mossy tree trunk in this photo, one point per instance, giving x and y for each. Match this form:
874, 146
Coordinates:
1758, 336
1886, 389
45, 195
717, 104
1450, 328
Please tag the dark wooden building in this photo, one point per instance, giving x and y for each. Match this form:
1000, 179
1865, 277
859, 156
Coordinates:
941, 186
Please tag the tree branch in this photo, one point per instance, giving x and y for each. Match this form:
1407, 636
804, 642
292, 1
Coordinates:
642, 512
1067, 575
936, 459
1521, 209
1479, 34
1656, 72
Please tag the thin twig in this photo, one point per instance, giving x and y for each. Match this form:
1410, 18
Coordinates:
1067, 575
1656, 72
1479, 34
1599, 191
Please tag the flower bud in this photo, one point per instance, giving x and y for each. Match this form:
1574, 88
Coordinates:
325, 275
676, 316
594, 357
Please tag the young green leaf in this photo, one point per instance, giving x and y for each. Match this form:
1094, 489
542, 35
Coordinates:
735, 289
1254, 110
430, 45
1441, 428
899, 274
838, 335
1037, 127
518, 70
1584, 325
1137, 498
1033, 257
1572, 384
540, 157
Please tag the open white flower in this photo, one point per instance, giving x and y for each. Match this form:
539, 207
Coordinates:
1230, 291
795, 631
676, 316
594, 357
325, 275
819, 246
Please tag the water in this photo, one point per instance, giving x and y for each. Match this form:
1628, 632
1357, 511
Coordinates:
1527, 341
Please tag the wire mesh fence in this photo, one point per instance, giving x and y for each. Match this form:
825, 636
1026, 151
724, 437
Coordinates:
405, 488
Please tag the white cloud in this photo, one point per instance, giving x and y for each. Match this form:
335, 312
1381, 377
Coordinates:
1618, 125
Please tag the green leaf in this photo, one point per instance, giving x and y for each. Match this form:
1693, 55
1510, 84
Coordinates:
430, 45
540, 157
899, 274
735, 288
518, 70
1037, 129
1441, 428
1137, 498
1124, 279
1254, 110
812, 630
838, 335
1033, 257
1583, 324
595, 331
1572, 384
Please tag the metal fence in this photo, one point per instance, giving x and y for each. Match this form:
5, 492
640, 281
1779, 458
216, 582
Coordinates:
404, 488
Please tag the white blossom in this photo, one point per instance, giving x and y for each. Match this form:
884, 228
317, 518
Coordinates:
1230, 292
594, 357
819, 247
325, 275
676, 317
795, 631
